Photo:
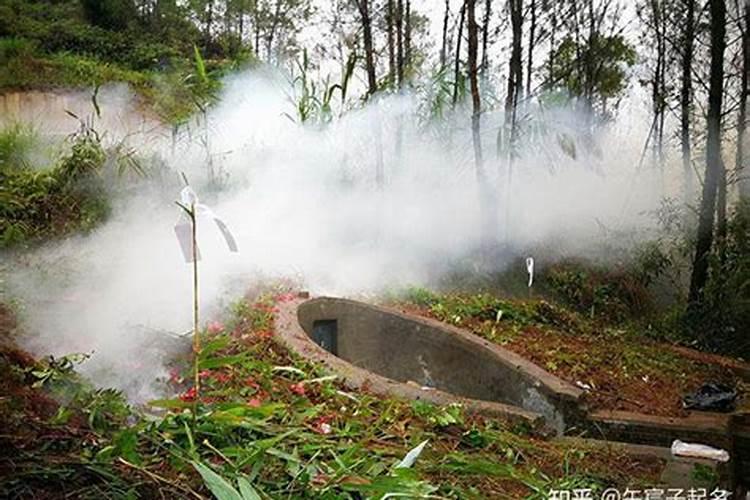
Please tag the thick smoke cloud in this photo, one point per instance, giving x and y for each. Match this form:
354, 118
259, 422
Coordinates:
302, 203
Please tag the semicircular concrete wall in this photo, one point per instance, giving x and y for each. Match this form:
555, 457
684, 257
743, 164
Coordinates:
425, 359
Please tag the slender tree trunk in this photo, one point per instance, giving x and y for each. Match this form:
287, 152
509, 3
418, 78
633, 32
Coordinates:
407, 40
658, 97
444, 46
241, 26
364, 12
485, 37
515, 87
686, 97
721, 208
400, 42
486, 211
457, 66
391, 46
209, 19
515, 70
532, 41
713, 153
372, 87
741, 158
552, 40
272, 30
256, 29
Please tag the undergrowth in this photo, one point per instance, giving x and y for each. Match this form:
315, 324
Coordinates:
269, 425
36, 203
609, 353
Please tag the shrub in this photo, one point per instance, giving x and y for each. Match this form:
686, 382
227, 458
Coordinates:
16, 144
721, 321
36, 203
110, 14
614, 295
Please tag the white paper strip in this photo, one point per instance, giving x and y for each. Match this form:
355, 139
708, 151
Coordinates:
184, 233
530, 269
183, 229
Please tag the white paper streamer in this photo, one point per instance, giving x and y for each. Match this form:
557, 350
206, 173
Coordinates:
530, 269
183, 229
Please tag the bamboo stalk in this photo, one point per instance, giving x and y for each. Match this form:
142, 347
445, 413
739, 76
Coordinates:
196, 318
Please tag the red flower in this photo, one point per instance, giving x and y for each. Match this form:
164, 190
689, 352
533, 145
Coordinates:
254, 402
322, 425
215, 327
265, 334
222, 378
204, 374
189, 395
298, 389
250, 382
285, 297
174, 376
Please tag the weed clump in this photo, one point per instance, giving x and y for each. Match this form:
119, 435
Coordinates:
38, 203
613, 295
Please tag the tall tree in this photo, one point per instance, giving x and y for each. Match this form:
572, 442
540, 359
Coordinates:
486, 36
515, 75
741, 162
653, 16
407, 39
552, 40
400, 42
487, 211
444, 44
590, 61
686, 97
364, 12
457, 62
532, 43
704, 239
391, 44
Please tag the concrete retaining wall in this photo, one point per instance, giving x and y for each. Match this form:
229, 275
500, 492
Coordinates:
430, 354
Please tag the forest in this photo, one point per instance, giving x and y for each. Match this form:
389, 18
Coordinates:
457, 249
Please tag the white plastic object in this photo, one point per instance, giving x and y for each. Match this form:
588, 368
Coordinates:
412, 456
530, 269
681, 449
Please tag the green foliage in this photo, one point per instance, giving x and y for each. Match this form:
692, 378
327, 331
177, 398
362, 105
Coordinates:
313, 101
615, 295
269, 425
17, 142
221, 489
110, 14
36, 203
440, 416
420, 296
478, 307
79, 44
720, 322
597, 69
108, 30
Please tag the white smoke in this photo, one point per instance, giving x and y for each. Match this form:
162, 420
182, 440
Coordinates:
302, 202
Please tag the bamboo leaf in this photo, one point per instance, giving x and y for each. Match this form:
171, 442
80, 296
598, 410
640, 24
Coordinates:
246, 489
219, 486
